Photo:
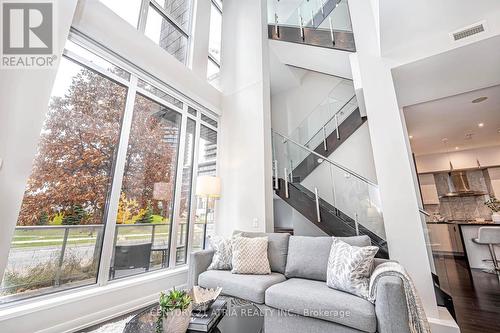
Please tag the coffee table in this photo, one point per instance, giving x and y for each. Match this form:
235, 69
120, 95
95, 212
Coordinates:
241, 316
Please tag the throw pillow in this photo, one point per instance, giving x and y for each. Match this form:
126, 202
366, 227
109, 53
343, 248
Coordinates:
223, 253
349, 267
250, 256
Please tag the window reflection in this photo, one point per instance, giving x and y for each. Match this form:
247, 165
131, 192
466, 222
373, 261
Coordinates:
207, 159
59, 230
166, 35
145, 210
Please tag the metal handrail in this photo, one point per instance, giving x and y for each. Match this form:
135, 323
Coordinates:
329, 120
352, 173
62, 226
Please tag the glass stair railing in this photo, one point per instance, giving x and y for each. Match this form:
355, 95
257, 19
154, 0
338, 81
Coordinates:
323, 23
326, 117
336, 199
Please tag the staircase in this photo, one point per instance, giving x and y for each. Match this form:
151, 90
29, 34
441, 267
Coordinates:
332, 197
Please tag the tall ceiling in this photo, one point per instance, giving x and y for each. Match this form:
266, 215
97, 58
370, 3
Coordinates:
418, 24
457, 119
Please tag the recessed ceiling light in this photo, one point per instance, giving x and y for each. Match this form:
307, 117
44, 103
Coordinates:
479, 100
411, 137
457, 148
480, 125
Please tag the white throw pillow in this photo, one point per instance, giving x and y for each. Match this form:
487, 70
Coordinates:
250, 256
349, 267
223, 254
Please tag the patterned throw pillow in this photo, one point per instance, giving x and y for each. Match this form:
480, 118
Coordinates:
250, 256
349, 267
223, 254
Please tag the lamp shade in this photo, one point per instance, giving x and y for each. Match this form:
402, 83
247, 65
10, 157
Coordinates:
208, 186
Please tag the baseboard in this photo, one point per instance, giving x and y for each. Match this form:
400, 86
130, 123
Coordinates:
444, 324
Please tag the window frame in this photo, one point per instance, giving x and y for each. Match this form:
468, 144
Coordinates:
143, 17
117, 172
210, 56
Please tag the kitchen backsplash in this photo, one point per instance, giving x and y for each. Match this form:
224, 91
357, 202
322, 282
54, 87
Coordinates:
462, 208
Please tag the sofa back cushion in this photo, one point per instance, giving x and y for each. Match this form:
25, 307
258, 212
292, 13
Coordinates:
308, 256
277, 248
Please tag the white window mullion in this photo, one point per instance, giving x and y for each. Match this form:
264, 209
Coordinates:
174, 225
114, 198
194, 199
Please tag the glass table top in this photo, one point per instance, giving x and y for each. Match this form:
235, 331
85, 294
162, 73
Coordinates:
241, 316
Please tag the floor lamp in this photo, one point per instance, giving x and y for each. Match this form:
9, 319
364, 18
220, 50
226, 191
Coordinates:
207, 187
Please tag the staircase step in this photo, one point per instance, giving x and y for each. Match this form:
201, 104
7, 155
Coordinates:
333, 221
284, 230
346, 129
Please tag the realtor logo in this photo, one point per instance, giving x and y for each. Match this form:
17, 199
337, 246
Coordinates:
27, 34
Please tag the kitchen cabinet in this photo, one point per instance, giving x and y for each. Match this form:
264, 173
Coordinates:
445, 238
428, 189
494, 175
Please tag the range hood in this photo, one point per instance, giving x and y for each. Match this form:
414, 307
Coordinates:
458, 185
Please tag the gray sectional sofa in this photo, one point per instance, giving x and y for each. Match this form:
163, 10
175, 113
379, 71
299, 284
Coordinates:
295, 295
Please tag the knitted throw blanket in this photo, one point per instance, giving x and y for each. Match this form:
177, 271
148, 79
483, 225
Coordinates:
417, 318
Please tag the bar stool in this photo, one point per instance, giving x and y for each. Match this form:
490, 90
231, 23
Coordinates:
490, 236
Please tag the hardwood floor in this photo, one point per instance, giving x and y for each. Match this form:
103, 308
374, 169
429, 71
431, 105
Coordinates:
476, 298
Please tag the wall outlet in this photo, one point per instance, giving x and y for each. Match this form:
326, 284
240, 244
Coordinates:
255, 223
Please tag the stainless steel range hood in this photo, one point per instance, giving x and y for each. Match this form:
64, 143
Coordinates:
458, 185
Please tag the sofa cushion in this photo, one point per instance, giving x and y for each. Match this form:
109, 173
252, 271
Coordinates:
308, 256
249, 287
250, 256
223, 252
314, 299
277, 249
350, 267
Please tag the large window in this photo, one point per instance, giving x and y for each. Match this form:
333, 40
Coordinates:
145, 213
214, 42
165, 22
111, 190
59, 229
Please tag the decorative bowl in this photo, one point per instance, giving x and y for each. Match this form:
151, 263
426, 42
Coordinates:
204, 298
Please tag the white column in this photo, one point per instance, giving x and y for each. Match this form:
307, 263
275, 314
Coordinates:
245, 164
24, 98
200, 34
392, 155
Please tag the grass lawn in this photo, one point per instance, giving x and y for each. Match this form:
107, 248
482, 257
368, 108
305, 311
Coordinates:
46, 237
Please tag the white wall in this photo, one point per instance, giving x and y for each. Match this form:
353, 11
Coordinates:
462, 159
320, 59
347, 193
200, 34
245, 162
291, 107
24, 98
287, 217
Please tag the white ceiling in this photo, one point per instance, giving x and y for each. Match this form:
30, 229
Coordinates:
467, 68
407, 23
452, 118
